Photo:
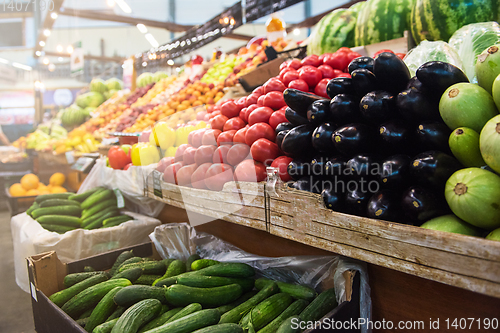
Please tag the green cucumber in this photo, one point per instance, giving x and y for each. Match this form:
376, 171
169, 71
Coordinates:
294, 309
137, 315
147, 280
117, 220
245, 297
120, 259
59, 210
69, 221
100, 206
82, 196
97, 197
118, 312
175, 268
287, 326
91, 296
103, 310
32, 208
235, 315
202, 263
129, 261
60, 229
185, 311
234, 270
44, 197
179, 295
86, 221
131, 274
61, 297
133, 294
221, 328
106, 327
86, 314
88, 269
171, 280
294, 290
202, 281
266, 311
320, 306
160, 320
98, 222
59, 202
190, 323
192, 258
149, 267
72, 279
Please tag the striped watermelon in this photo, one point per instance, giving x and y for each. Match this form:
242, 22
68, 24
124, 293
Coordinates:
358, 6
334, 31
382, 20
439, 19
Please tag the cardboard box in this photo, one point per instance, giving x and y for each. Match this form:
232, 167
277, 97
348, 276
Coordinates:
46, 274
261, 74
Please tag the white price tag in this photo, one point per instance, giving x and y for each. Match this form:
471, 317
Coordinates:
33, 291
120, 201
70, 157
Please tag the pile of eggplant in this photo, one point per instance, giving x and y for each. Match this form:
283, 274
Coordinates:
379, 147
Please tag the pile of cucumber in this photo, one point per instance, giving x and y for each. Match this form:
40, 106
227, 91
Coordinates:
141, 295
62, 212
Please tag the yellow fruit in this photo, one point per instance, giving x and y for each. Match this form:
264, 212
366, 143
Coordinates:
32, 192
41, 186
58, 189
57, 179
29, 182
43, 191
17, 190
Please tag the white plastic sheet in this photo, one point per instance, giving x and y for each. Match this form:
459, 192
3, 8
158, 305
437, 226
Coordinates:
131, 183
180, 240
30, 238
431, 51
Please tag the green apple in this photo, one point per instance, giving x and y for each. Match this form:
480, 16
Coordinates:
451, 223
494, 235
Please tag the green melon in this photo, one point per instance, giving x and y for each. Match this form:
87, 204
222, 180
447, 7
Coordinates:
357, 7
98, 85
382, 20
334, 31
439, 19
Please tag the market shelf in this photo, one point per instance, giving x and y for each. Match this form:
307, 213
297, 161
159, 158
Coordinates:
466, 262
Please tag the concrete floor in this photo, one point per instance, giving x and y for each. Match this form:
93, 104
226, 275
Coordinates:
16, 315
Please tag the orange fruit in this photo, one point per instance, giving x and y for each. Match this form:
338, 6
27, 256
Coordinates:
44, 191
33, 192
41, 186
17, 190
29, 182
57, 179
58, 189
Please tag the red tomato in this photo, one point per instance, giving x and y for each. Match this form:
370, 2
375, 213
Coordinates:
273, 84
210, 137
290, 76
230, 109
126, 167
190, 137
170, 173
204, 154
344, 49
337, 72
218, 122
244, 115
165, 162
274, 100
201, 115
283, 72
238, 153
260, 115
264, 151
239, 136
198, 177
217, 175
198, 137
241, 102
250, 171
322, 57
311, 75
220, 154
118, 158
184, 174
277, 118
299, 85
382, 51
207, 117
188, 157
401, 55
320, 88
210, 108
327, 71
260, 101
338, 60
312, 60
284, 64
214, 114
251, 99
344, 75
295, 64
258, 91
179, 153
226, 138
282, 164
235, 123
257, 131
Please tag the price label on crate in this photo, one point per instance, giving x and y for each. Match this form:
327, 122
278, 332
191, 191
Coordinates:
70, 157
120, 200
157, 177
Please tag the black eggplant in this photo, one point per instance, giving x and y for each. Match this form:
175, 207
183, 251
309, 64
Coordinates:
364, 81
432, 136
336, 167
420, 204
395, 137
333, 200
361, 63
437, 76
415, 83
415, 106
318, 166
299, 168
385, 205
297, 142
364, 167
378, 106
318, 112
322, 138
286, 126
294, 118
344, 109
309, 184
356, 199
280, 136
355, 139
395, 173
433, 168
340, 85
391, 72
299, 101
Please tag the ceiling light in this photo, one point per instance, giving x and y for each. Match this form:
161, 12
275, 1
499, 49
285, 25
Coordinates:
46, 32
124, 6
4, 61
296, 31
38, 53
52, 67
110, 3
142, 28
59, 48
46, 61
151, 40
38, 84
226, 20
54, 15
70, 49
144, 64
170, 62
21, 66
232, 21
60, 59
41, 43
